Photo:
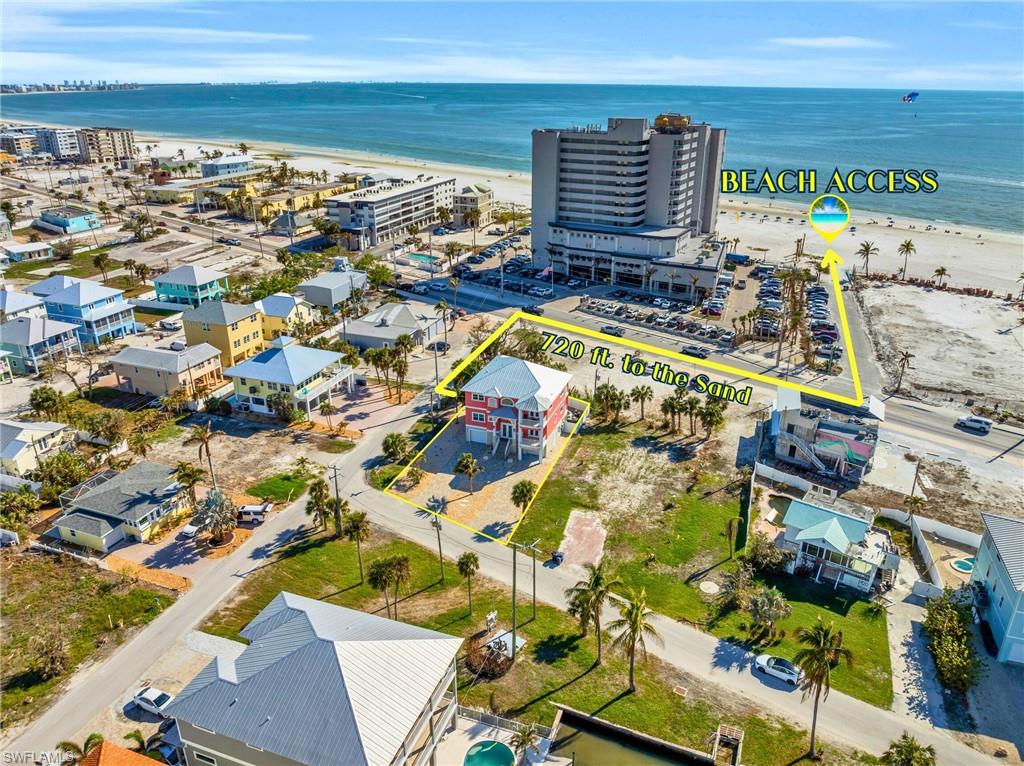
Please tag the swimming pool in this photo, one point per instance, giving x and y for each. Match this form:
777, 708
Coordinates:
965, 565
489, 753
422, 258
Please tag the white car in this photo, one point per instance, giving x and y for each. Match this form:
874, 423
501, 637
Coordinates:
189, 531
153, 700
779, 668
975, 423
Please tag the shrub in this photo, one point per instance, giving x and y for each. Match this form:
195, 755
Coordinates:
764, 557
947, 625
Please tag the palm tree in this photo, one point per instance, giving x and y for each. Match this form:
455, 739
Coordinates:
317, 502
711, 416
400, 366
216, 515
522, 494
634, 629
670, 408
906, 249
243, 148
732, 594
864, 252
74, 752
767, 607
914, 505
691, 407
468, 466
732, 526
903, 363
941, 273
405, 344
356, 528
587, 597
523, 739
468, 564
640, 395
139, 442
327, 409
401, 574
188, 476
380, 577
137, 740
822, 650
202, 436
339, 507
907, 751
442, 309
101, 261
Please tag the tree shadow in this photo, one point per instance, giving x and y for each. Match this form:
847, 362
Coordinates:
555, 647
621, 695
539, 698
700, 574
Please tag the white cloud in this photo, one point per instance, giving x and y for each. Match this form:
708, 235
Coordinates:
842, 41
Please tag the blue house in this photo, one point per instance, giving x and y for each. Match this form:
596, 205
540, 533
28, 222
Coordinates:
998, 579
67, 219
99, 312
31, 341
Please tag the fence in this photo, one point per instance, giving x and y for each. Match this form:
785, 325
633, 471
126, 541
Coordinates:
499, 722
918, 526
38, 546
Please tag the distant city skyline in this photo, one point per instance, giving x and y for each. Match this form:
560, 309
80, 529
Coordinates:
907, 45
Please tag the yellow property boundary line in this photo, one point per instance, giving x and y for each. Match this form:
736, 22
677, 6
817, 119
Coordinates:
856, 400
504, 541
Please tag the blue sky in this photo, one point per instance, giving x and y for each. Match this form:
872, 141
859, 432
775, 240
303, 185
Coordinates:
864, 45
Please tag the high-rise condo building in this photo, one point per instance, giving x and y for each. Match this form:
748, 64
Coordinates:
106, 144
61, 143
634, 204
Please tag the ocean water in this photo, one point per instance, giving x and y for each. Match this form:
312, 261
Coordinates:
974, 140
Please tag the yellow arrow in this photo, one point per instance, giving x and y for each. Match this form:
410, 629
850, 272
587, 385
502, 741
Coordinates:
832, 262
831, 259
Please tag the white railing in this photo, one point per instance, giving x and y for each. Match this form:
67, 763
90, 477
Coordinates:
498, 722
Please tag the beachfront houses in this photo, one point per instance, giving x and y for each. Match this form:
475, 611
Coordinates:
67, 219
225, 165
301, 376
515, 407
385, 211
24, 444
823, 440
382, 327
99, 313
114, 506
284, 314
159, 371
838, 545
59, 143
191, 285
332, 288
26, 251
106, 145
998, 579
478, 197
31, 342
633, 204
236, 330
14, 304
318, 683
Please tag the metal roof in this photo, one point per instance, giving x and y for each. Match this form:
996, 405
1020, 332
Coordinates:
219, 312
16, 435
815, 523
12, 301
279, 304
392, 320
320, 684
531, 386
24, 247
1008, 536
166, 360
194, 276
52, 285
291, 364
27, 331
83, 293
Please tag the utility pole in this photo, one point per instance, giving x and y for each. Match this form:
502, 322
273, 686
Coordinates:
533, 555
515, 548
255, 220
436, 524
435, 398
334, 476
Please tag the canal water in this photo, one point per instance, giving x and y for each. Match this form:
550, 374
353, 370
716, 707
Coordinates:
593, 748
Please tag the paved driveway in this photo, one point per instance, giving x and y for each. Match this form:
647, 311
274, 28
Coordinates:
174, 553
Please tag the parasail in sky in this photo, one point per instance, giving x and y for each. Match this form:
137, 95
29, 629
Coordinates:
911, 97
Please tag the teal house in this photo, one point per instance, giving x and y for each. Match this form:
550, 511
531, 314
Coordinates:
191, 285
998, 579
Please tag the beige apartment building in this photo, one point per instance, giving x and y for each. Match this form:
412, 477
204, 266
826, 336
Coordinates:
106, 144
474, 197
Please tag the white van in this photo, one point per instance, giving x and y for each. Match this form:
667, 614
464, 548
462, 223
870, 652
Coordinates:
975, 423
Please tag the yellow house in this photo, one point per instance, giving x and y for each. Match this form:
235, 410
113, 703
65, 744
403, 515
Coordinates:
127, 505
233, 329
284, 314
299, 198
26, 443
304, 376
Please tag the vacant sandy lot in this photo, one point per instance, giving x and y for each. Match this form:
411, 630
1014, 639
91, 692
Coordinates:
964, 347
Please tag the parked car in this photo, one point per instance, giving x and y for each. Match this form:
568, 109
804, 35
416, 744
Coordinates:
741, 284
171, 325
439, 286
153, 700
439, 232
419, 289
695, 351
189, 531
185, 227
440, 346
254, 513
535, 310
777, 667
610, 329
975, 423
178, 345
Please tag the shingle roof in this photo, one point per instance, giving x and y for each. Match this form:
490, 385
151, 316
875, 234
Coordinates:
190, 275
52, 284
837, 529
532, 386
86, 523
1008, 537
165, 359
132, 493
320, 683
219, 312
12, 301
82, 293
27, 331
291, 365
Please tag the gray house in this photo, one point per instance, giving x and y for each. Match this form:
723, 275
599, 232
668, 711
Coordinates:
381, 327
321, 684
332, 288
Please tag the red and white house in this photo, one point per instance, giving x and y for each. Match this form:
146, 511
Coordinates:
515, 403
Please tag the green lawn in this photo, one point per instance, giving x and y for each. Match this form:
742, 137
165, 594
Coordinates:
152, 316
79, 265
92, 612
556, 665
280, 488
